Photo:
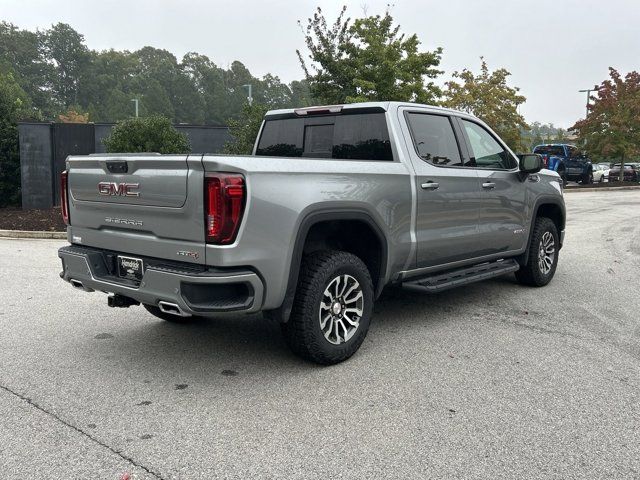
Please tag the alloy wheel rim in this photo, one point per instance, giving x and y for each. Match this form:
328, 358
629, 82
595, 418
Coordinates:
546, 253
341, 309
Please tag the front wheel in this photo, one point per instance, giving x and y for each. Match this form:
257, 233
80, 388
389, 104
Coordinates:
331, 309
587, 179
543, 254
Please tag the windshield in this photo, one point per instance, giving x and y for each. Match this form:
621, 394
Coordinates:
555, 150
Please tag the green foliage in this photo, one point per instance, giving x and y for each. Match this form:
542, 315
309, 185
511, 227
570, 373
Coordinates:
63, 47
146, 134
244, 130
57, 71
490, 98
367, 60
14, 105
612, 127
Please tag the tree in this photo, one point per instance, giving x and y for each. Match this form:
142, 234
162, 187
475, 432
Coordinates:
367, 60
146, 134
490, 98
65, 48
244, 130
612, 126
22, 53
14, 105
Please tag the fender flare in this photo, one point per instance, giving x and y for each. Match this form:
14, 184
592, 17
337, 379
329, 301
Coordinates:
543, 200
284, 311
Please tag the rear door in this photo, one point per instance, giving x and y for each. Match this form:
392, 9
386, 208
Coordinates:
148, 205
447, 190
502, 225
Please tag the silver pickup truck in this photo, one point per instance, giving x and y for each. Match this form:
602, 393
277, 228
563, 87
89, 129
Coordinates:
334, 204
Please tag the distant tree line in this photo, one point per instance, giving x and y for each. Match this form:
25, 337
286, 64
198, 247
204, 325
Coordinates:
60, 74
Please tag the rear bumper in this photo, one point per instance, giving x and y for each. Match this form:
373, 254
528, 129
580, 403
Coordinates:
205, 293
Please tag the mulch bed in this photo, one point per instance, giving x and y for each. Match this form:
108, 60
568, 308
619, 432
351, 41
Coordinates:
573, 186
50, 220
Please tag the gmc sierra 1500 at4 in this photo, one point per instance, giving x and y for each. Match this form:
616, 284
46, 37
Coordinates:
334, 204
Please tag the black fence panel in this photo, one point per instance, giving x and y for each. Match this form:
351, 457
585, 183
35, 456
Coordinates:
36, 165
69, 139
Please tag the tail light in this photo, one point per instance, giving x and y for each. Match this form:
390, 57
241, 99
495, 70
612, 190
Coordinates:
224, 204
64, 196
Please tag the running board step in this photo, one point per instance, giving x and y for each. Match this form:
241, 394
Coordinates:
462, 276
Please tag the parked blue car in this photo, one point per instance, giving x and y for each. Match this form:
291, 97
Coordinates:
568, 161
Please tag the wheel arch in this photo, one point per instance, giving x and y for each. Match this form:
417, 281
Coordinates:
326, 217
550, 207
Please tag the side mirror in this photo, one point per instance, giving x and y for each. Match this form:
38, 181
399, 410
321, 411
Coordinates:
531, 163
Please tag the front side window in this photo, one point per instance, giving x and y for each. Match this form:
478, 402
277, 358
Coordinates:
434, 139
486, 150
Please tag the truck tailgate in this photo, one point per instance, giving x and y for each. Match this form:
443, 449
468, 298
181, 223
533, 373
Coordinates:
144, 204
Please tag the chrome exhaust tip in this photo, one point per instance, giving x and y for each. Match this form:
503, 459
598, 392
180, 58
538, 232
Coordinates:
172, 309
76, 283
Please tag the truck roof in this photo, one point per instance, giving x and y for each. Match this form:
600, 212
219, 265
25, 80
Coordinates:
367, 106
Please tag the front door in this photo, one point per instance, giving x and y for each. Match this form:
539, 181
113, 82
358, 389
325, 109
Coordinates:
447, 190
502, 217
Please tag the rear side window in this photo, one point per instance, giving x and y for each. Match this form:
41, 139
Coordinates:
342, 137
434, 139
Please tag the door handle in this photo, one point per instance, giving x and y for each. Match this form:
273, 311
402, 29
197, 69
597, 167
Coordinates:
430, 186
488, 185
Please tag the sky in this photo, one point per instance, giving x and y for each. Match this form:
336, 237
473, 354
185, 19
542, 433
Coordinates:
552, 48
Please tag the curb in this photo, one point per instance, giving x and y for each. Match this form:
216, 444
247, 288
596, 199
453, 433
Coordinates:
34, 234
600, 189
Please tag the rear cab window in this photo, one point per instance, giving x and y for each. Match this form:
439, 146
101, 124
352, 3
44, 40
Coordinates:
550, 150
345, 136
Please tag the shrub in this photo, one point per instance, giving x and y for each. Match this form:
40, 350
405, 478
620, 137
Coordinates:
146, 134
14, 104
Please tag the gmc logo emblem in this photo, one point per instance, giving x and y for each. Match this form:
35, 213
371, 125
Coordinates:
119, 189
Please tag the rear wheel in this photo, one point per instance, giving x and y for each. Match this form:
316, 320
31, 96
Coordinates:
543, 254
332, 307
156, 312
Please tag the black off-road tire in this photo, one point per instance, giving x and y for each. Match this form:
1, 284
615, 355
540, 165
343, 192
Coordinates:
156, 312
562, 171
587, 179
531, 273
303, 333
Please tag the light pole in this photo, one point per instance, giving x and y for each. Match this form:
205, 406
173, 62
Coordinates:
250, 97
135, 100
589, 90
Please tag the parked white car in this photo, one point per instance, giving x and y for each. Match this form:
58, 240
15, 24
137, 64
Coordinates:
600, 172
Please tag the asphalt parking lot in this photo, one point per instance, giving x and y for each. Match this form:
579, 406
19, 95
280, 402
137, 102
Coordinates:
494, 380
